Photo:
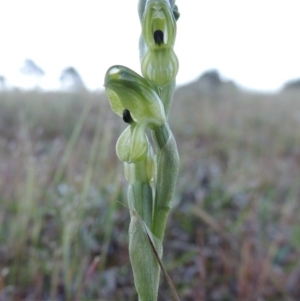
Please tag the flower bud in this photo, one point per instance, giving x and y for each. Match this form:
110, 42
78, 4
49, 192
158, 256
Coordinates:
132, 145
160, 66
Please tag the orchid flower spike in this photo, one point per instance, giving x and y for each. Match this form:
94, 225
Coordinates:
144, 104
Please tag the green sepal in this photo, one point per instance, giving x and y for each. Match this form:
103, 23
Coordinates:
142, 6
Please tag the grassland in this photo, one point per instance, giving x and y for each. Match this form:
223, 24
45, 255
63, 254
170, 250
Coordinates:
234, 231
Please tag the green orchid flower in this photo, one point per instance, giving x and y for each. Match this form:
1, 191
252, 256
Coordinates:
159, 24
133, 98
159, 63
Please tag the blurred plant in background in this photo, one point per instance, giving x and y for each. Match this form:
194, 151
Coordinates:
71, 79
2, 82
234, 234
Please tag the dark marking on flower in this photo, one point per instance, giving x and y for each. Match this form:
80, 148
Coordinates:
126, 116
176, 12
158, 37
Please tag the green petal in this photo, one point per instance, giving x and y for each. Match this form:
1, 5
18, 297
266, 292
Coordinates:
115, 102
127, 89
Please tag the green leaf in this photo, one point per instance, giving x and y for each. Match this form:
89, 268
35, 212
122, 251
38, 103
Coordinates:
143, 245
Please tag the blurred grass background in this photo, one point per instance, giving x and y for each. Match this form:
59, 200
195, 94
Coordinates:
234, 231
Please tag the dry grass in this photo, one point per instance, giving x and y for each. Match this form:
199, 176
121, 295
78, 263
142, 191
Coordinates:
234, 231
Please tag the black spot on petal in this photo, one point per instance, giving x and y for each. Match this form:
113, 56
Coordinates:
158, 37
126, 116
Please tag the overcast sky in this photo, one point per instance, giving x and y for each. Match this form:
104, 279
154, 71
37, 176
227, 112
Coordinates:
254, 42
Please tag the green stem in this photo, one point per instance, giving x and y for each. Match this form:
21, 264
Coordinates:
140, 199
166, 93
